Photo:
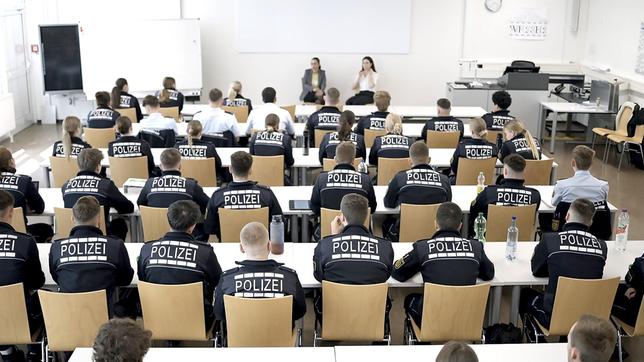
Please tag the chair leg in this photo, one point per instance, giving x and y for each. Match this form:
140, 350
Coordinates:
592, 144
606, 150
621, 155
619, 344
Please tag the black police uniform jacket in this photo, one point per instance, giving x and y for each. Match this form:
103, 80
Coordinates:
330, 187
102, 117
326, 118
265, 143
131, 146
77, 146
420, 185
354, 256
175, 99
496, 120
375, 121
473, 149
389, 146
24, 192
238, 101
19, 259
442, 124
635, 276
126, 100
89, 183
200, 149
163, 191
260, 279
519, 144
331, 141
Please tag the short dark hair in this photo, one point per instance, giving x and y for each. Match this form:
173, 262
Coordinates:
594, 338
170, 157
89, 159
183, 214
121, 339
583, 210
268, 95
102, 99
345, 153
151, 101
444, 103
333, 94
85, 209
502, 99
6, 201
583, 156
355, 208
449, 216
418, 152
515, 162
240, 163
123, 124
215, 95
456, 351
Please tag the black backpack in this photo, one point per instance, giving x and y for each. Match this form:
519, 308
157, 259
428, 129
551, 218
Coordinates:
636, 120
502, 333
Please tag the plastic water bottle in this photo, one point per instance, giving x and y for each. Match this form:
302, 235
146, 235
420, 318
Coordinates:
480, 183
512, 240
480, 226
621, 234
305, 134
362, 167
277, 235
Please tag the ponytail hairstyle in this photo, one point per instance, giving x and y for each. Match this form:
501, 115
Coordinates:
393, 124
272, 123
234, 90
71, 127
194, 131
168, 84
517, 127
116, 92
478, 127
345, 125
6, 161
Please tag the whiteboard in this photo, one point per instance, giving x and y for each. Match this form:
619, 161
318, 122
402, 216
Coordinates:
143, 52
323, 26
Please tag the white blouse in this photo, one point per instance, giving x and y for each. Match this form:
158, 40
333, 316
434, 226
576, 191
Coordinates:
363, 82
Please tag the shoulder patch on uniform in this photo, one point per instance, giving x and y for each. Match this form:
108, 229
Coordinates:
282, 267
230, 271
263, 186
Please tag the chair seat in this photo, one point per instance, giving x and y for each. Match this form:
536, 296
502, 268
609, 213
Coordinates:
603, 131
619, 138
543, 329
630, 330
416, 329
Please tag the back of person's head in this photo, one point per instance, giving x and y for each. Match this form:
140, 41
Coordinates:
241, 163
354, 209
268, 95
71, 128
382, 99
502, 99
419, 153
456, 351
345, 125
86, 211
102, 99
478, 127
6, 204
393, 124
215, 95
183, 215
583, 157
89, 159
234, 89
332, 96
151, 101
7, 164
193, 130
272, 122
345, 153
448, 216
116, 92
123, 125
168, 84
254, 238
122, 340
444, 104
170, 159
581, 211
591, 339
514, 165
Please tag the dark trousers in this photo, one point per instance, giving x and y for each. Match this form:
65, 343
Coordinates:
531, 302
414, 307
41, 232
362, 98
311, 97
626, 309
117, 228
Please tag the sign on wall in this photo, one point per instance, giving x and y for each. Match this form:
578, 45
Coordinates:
529, 24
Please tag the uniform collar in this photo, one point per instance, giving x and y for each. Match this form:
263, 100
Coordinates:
155, 115
88, 173
85, 230
171, 173
5, 226
10, 171
329, 108
344, 166
520, 135
267, 262
380, 114
128, 137
104, 107
180, 236
575, 226
422, 167
444, 117
242, 183
353, 229
77, 139
502, 112
446, 233
582, 173
512, 182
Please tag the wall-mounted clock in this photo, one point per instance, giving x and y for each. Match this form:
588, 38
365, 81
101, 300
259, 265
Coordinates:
493, 5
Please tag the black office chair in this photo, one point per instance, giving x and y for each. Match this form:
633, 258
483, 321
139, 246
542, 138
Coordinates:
223, 139
602, 222
164, 138
522, 64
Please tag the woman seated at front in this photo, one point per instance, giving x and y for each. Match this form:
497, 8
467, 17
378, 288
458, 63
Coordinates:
313, 83
365, 83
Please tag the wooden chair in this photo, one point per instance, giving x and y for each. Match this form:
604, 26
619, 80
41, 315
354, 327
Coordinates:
537, 172
72, 320
328, 164
260, 322
319, 134
64, 223
327, 215
624, 115
491, 136
417, 222
154, 221
174, 312
449, 313
99, 137
389, 167
438, 139
371, 134
123, 168
469, 169
636, 141
232, 221
202, 170
499, 219
129, 113
291, 110
268, 170
241, 113
566, 309
14, 318
18, 220
170, 112
353, 313
626, 330
62, 169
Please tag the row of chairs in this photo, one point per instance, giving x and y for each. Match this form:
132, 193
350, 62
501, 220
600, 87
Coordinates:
241, 113
619, 135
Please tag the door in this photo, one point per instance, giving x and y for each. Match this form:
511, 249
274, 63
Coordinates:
12, 30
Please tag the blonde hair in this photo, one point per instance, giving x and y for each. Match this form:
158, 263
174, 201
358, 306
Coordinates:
517, 127
71, 125
478, 127
272, 122
393, 124
382, 99
235, 88
194, 130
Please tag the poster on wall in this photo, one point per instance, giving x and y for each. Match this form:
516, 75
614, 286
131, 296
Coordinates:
528, 24
639, 64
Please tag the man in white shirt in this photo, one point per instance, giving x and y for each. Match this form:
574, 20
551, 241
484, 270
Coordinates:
155, 120
215, 119
582, 184
257, 118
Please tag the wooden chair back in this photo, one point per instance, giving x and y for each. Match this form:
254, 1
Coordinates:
389, 167
537, 172
72, 320
123, 168
64, 223
371, 134
259, 322
269, 170
232, 221
469, 169
99, 137
202, 170
491, 136
327, 215
499, 219
13, 316
170, 112
319, 134
241, 112
18, 220
154, 221
129, 113
291, 110
417, 222
328, 164
624, 115
62, 169
439, 139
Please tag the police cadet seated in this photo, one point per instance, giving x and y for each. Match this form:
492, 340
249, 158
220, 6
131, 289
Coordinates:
257, 117
155, 120
519, 140
122, 99
330, 187
194, 148
375, 120
169, 96
420, 185
215, 120
103, 116
500, 115
391, 145
446, 258
72, 143
178, 258
235, 98
343, 134
25, 195
475, 148
591, 339
89, 182
128, 145
87, 260
20, 264
509, 192
272, 142
121, 339
571, 253
629, 296
258, 276
327, 117
443, 122
240, 194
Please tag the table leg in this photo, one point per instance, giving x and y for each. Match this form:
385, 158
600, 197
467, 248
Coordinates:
294, 229
553, 134
302, 174
514, 304
295, 176
134, 230
553, 175
45, 176
305, 229
495, 306
465, 225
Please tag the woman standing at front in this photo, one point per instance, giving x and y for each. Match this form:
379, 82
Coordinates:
313, 83
365, 83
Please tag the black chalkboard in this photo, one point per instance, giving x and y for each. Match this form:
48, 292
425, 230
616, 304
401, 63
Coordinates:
61, 60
